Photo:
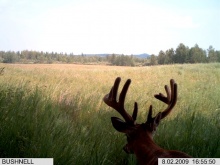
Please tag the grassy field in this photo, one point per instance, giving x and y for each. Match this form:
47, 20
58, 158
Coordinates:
57, 111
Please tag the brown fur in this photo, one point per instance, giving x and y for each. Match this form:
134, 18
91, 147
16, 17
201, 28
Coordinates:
147, 151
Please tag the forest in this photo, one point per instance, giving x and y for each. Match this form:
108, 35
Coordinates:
182, 54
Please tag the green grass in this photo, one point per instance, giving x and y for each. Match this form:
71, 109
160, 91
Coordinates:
57, 111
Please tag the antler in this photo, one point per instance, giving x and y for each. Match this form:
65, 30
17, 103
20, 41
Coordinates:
170, 100
110, 100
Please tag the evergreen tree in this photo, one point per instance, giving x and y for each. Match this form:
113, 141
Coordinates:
181, 53
169, 56
212, 56
153, 60
161, 57
197, 55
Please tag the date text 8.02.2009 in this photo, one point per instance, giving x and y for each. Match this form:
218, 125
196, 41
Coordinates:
188, 161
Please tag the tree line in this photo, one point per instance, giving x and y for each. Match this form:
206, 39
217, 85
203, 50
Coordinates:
54, 57
182, 54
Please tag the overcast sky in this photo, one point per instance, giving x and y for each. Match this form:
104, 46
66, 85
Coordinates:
108, 26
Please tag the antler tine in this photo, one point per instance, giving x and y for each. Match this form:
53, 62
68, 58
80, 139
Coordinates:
170, 99
110, 100
149, 116
124, 92
134, 115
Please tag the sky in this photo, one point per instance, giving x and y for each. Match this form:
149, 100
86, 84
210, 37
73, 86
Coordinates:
108, 26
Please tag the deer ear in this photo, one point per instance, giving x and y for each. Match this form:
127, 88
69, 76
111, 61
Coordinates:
119, 125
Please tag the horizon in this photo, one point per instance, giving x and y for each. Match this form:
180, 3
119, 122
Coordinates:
119, 27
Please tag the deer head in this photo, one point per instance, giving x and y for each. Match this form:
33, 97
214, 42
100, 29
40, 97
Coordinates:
138, 133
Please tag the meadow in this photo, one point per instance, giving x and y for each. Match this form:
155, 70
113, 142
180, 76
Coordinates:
56, 111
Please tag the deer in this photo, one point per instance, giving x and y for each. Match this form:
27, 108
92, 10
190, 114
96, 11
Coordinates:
140, 136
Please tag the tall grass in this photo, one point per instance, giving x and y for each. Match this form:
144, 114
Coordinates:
57, 111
